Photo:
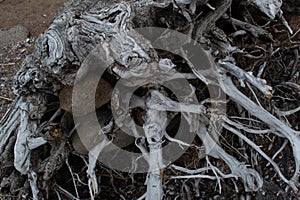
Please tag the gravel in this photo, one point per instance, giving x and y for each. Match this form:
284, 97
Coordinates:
11, 57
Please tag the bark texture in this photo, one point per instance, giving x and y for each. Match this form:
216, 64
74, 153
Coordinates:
37, 133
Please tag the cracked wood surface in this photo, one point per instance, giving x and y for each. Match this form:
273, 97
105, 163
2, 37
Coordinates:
59, 62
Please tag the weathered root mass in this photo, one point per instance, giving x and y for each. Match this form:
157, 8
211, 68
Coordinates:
250, 147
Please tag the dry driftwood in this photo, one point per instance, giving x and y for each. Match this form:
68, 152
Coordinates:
80, 28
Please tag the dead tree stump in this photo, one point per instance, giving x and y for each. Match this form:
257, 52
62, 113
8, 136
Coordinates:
43, 154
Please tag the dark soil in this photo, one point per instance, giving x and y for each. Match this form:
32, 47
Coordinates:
35, 15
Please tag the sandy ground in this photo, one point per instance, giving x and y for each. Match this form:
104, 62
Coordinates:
35, 15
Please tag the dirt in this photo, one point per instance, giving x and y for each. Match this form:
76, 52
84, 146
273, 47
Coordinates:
35, 16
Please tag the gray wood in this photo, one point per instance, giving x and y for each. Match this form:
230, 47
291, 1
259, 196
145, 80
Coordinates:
77, 29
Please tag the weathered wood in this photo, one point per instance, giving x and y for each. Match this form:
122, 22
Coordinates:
105, 31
